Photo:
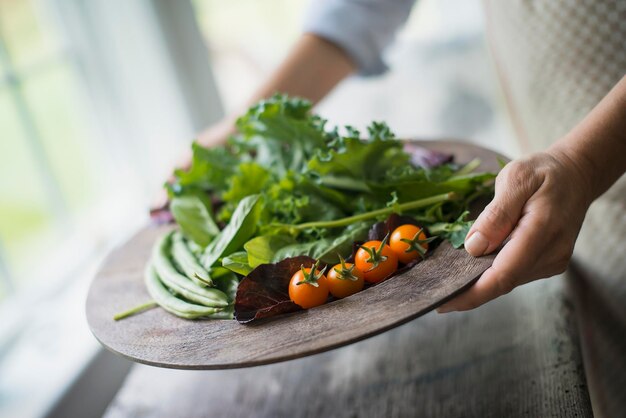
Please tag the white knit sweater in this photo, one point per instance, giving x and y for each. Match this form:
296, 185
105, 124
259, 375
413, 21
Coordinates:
556, 60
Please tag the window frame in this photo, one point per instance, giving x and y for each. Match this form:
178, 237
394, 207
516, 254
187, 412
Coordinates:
114, 84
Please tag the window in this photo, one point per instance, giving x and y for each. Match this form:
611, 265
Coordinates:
247, 39
96, 103
46, 172
94, 110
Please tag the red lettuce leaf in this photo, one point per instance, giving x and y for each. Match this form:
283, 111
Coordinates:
379, 230
265, 291
425, 157
161, 215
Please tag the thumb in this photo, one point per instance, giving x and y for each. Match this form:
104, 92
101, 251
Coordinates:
499, 217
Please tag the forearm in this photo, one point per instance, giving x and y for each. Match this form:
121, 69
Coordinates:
313, 67
311, 70
597, 145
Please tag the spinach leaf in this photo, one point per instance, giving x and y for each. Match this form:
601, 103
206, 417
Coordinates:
210, 169
408, 190
326, 249
237, 262
343, 243
339, 199
192, 212
241, 227
249, 179
261, 249
309, 249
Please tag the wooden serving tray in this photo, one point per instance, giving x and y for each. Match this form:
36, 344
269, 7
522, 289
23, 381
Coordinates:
158, 338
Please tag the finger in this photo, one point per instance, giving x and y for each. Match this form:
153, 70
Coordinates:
514, 186
514, 265
485, 289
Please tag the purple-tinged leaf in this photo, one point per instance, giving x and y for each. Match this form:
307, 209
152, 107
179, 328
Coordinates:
425, 157
265, 291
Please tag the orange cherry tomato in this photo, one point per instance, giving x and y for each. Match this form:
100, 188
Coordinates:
376, 260
345, 280
404, 241
308, 289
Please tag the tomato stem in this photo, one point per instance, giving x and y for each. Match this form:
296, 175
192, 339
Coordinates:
415, 244
376, 254
346, 273
312, 276
415, 204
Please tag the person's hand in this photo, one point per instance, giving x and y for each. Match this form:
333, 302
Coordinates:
538, 209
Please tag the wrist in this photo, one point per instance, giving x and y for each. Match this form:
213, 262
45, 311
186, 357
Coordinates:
579, 168
595, 148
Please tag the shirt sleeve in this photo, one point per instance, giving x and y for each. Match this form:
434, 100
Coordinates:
362, 28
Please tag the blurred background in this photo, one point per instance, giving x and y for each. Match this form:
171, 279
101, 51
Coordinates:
99, 98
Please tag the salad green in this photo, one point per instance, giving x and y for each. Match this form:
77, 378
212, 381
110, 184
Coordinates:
289, 185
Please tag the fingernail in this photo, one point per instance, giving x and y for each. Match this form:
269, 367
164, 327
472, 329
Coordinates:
445, 308
476, 244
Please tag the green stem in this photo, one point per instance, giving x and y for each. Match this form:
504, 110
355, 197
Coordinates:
345, 183
467, 168
132, 311
415, 204
438, 228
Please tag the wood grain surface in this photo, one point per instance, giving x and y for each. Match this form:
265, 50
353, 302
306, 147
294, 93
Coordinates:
160, 339
517, 356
